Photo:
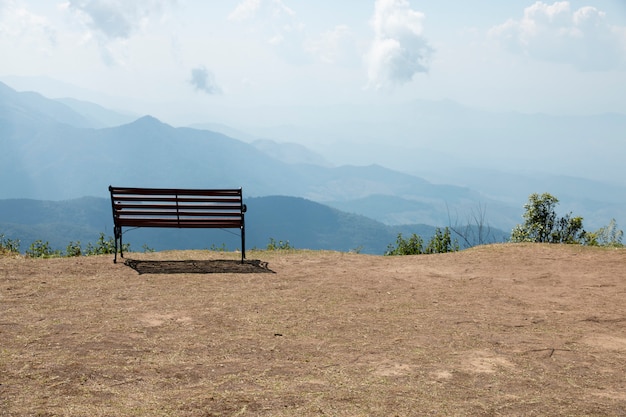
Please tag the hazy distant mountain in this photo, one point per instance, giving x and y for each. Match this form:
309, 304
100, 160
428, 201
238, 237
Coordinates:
30, 105
291, 153
53, 160
302, 223
55, 89
30, 108
97, 115
225, 130
425, 136
53, 152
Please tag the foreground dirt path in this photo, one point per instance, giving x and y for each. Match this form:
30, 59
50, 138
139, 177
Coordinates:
499, 330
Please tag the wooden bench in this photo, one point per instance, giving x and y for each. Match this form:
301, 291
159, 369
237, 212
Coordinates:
177, 208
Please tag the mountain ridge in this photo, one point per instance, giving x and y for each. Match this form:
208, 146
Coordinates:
304, 224
62, 162
47, 158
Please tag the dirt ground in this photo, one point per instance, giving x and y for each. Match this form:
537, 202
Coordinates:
497, 330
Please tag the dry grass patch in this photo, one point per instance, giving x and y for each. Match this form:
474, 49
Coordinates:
494, 330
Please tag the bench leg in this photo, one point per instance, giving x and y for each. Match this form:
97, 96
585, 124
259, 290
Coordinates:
121, 244
117, 232
243, 243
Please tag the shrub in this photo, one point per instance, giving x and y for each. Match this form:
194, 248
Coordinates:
41, 249
609, 236
73, 249
280, 245
411, 246
104, 246
441, 242
542, 225
9, 245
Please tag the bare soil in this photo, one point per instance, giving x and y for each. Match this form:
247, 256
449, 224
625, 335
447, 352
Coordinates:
497, 330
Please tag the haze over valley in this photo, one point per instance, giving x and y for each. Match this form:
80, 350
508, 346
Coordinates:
402, 112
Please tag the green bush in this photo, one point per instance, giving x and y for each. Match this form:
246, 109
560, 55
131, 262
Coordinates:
41, 249
9, 245
411, 246
280, 245
73, 249
542, 225
104, 246
441, 242
609, 236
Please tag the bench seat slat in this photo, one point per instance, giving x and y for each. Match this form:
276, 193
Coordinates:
182, 223
207, 207
163, 199
174, 191
181, 213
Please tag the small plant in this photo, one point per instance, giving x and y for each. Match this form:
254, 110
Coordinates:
280, 245
357, 250
73, 249
9, 245
608, 236
147, 249
411, 246
41, 249
104, 246
215, 248
441, 242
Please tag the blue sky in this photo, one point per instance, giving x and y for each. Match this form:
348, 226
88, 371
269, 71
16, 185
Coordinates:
187, 61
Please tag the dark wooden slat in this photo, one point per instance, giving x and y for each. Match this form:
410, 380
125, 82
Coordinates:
175, 191
206, 207
181, 210
223, 224
172, 199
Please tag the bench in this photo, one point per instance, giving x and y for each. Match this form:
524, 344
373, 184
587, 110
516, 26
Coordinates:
177, 208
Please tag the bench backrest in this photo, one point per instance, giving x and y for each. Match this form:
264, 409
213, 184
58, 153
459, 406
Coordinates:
182, 208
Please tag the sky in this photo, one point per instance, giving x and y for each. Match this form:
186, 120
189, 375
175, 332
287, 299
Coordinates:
187, 61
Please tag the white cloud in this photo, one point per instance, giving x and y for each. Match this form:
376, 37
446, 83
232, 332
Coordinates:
337, 46
582, 38
113, 22
263, 9
21, 25
399, 50
117, 19
277, 24
245, 10
203, 80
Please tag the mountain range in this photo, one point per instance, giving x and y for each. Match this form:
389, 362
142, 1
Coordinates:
296, 222
65, 149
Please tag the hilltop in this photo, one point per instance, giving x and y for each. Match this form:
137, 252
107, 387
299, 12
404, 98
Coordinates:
506, 329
